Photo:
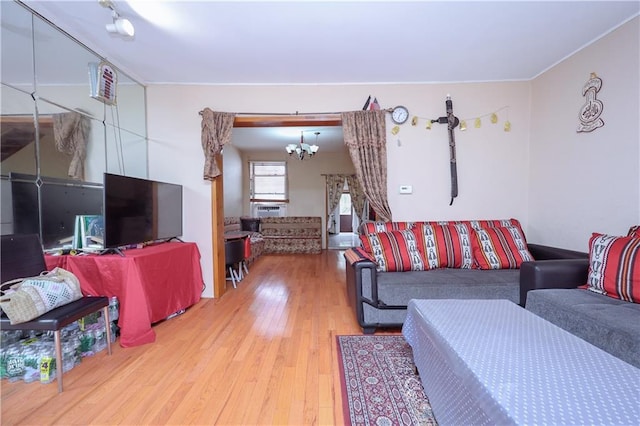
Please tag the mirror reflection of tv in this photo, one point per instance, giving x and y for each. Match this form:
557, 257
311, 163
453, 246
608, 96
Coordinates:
139, 210
60, 200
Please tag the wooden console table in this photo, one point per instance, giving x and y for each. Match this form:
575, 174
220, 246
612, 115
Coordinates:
150, 283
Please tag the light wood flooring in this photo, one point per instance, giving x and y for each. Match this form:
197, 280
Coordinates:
262, 354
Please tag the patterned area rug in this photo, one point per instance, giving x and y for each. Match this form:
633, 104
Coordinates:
379, 382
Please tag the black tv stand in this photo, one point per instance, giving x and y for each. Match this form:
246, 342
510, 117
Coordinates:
115, 250
173, 238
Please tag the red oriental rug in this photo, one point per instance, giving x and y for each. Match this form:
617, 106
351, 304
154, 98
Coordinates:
379, 382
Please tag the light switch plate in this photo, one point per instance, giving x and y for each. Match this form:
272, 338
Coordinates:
406, 189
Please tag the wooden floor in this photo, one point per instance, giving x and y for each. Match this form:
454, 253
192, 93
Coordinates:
263, 354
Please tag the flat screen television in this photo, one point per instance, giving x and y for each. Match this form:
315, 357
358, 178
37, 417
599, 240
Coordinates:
60, 200
140, 210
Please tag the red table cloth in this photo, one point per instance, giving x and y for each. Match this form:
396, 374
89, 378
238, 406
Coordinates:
150, 283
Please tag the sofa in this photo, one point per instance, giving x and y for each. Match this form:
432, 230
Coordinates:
592, 298
400, 261
233, 224
292, 234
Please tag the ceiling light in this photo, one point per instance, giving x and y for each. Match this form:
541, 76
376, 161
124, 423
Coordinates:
120, 25
304, 149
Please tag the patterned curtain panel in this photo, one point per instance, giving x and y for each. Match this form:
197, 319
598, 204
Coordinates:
216, 131
71, 134
357, 197
365, 137
335, 183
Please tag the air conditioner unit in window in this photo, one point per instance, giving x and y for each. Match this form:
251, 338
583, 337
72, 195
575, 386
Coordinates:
270, 210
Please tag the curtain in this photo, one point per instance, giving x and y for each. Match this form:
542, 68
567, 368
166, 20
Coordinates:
216, 132
357, 197
335, 184
71, 134
365, 137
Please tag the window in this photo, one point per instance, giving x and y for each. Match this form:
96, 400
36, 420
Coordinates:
268, 181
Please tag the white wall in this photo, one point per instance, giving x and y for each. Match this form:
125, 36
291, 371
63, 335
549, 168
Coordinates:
559, 184
586, 182
233, 170
491, 163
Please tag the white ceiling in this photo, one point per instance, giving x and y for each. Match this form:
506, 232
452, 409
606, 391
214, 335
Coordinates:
266, 42
326, 42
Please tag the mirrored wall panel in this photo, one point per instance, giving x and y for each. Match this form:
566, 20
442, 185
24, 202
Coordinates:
58, 138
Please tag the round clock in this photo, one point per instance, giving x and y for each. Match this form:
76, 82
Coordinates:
399, 114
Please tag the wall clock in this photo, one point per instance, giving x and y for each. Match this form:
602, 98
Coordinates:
400, 114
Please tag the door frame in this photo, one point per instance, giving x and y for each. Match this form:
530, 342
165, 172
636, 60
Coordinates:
217, 184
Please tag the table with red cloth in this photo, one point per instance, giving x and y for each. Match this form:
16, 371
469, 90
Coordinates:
151, 283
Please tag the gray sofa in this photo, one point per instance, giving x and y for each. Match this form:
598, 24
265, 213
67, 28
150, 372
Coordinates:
550, 291
379, 299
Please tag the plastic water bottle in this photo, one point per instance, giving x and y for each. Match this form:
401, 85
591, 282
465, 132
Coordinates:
114, 308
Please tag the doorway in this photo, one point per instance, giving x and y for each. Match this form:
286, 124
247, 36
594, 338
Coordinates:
217, 187
344, 237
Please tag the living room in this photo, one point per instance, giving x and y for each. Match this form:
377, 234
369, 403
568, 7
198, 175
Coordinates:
547, 169
561, 184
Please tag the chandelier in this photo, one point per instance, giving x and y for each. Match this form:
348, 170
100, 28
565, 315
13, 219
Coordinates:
303, 149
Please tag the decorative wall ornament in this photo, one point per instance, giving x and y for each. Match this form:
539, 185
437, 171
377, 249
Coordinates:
590, 112
477, 121
103, 81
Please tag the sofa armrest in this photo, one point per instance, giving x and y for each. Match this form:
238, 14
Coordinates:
553, 273
362, 285
541, 252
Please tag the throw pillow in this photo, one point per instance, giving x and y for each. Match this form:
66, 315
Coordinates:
373, 227
500, 248
634, 231
445, 246
395, 251
614, 266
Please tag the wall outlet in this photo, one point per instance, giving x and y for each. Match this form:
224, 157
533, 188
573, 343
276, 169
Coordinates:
406, 189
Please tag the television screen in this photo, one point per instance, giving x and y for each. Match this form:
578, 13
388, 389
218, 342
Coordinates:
60, 200
140, 210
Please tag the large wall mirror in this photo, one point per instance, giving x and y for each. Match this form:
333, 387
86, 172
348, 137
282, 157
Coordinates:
58, 140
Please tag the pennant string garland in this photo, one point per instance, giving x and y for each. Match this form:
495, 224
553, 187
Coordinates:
477, 121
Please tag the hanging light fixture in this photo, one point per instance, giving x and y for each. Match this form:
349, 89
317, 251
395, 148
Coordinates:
120, 25
303, 149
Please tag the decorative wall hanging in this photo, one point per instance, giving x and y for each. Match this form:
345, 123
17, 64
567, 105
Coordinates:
452, 121
371, 104
477, 121
590, 112
103, 81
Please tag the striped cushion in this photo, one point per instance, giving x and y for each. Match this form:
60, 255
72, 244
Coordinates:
367, 228
614, 266
634, 231
395, 251
477, 224
500, 248
373, 227
445, 246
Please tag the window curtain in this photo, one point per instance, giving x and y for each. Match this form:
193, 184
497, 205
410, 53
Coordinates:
335, 184
357, 197
216, 132
365, 137
71, 135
